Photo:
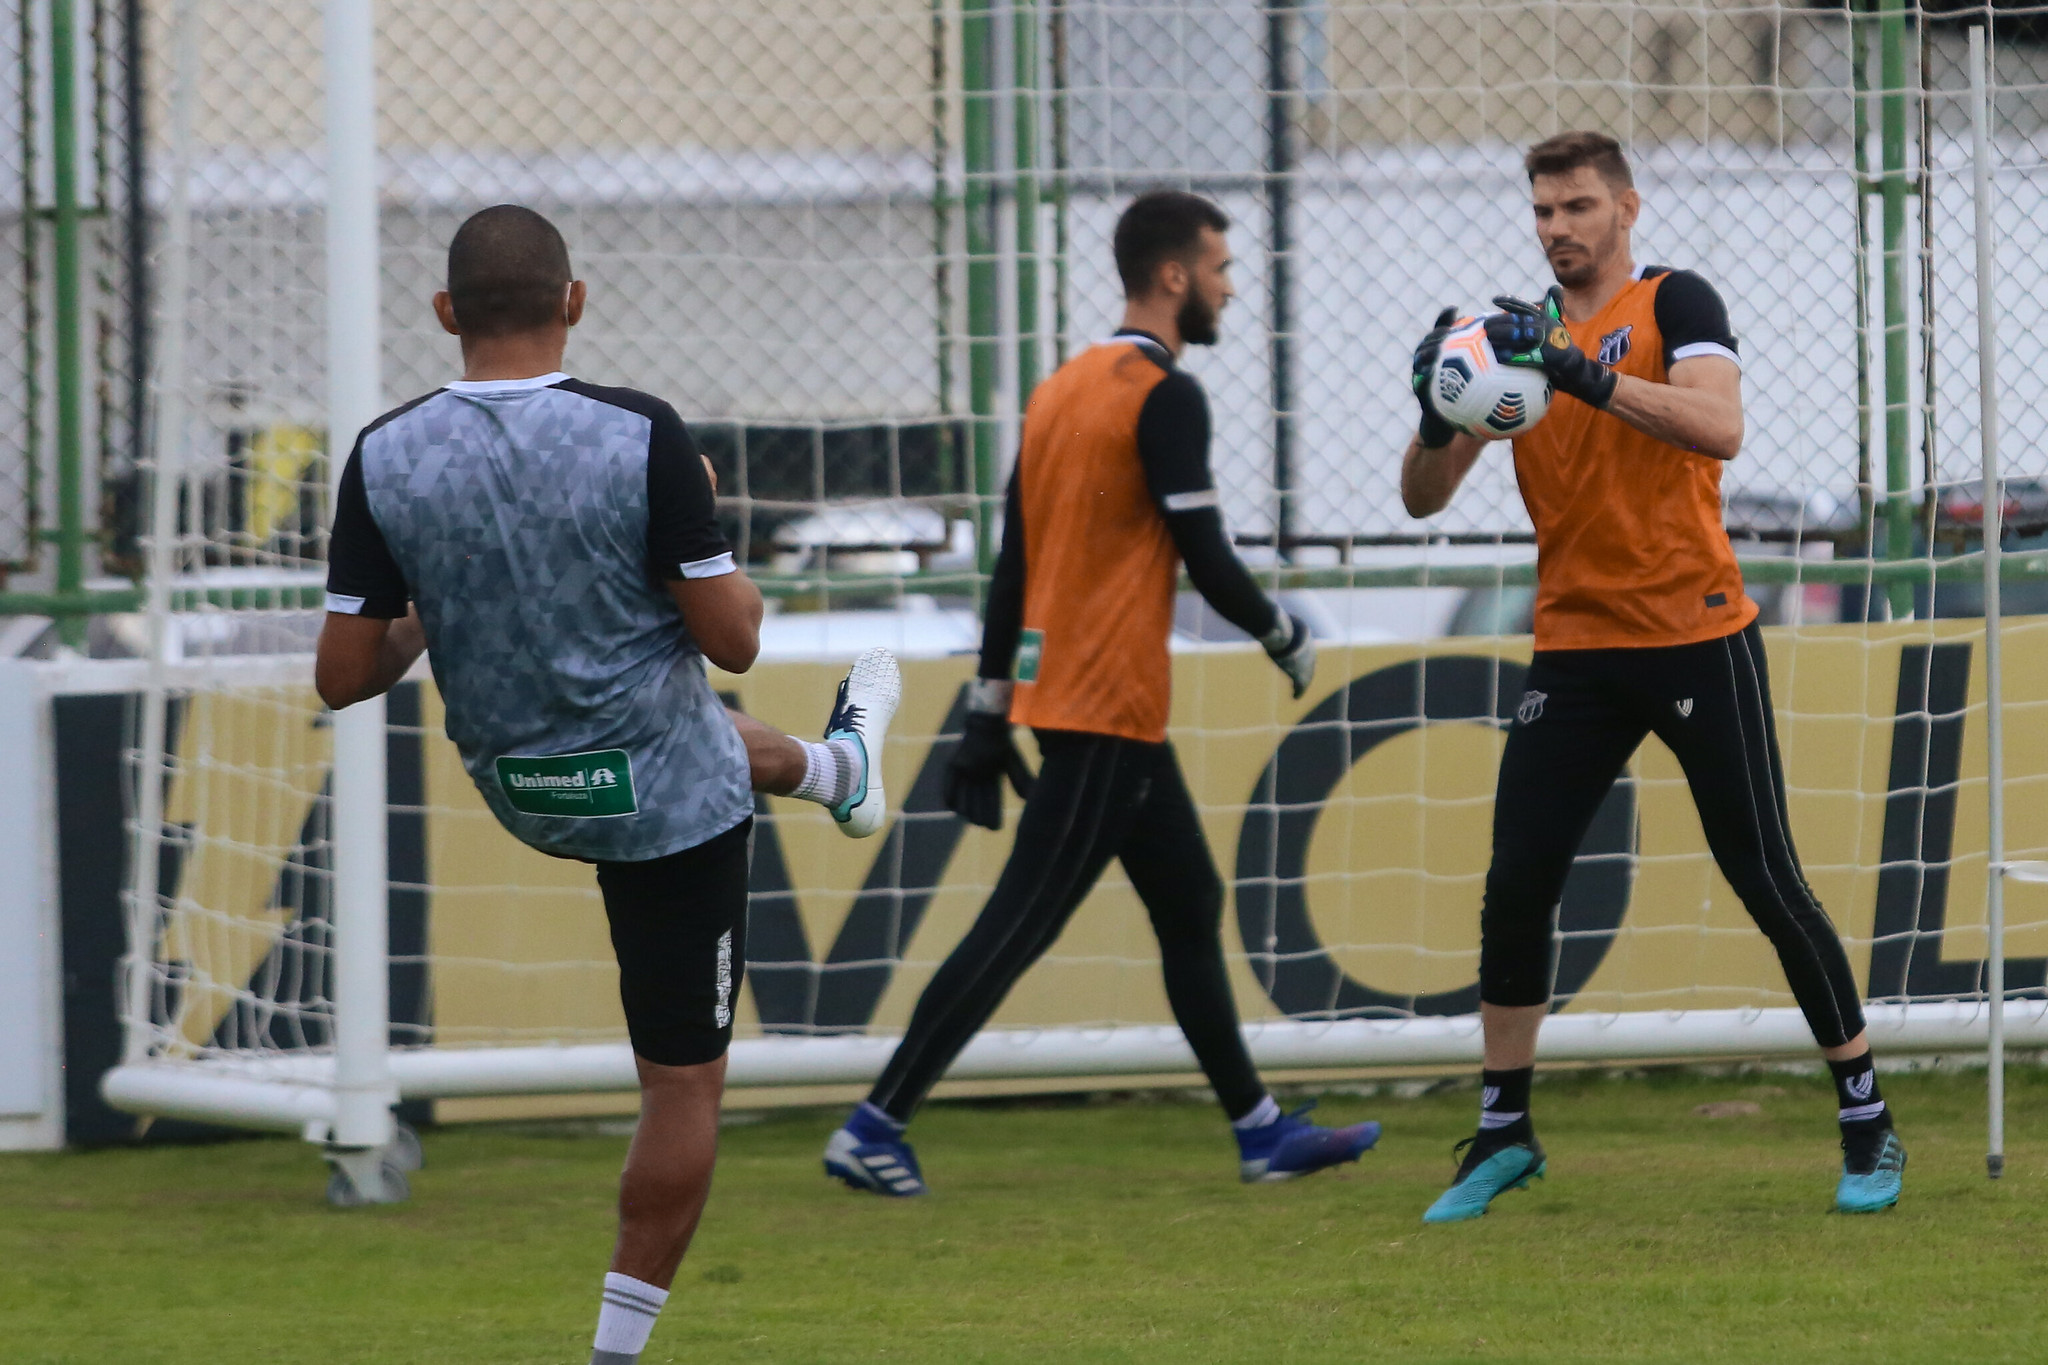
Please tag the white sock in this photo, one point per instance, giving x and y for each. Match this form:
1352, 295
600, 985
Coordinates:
831, 771
881, 1118
1266, 1112
627, 1315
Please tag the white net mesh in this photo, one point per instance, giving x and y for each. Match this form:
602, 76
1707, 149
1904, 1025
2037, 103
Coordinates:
843, 237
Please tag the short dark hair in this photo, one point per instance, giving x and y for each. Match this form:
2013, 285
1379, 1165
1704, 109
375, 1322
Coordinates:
507, 270
1159, 226
1566, 152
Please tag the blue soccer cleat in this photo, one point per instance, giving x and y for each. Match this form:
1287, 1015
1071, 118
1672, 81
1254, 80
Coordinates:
1484, 1173
885, 1167
1872, 1175
1290, 1147
861, 712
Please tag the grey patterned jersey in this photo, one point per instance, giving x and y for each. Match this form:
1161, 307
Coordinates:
533, 523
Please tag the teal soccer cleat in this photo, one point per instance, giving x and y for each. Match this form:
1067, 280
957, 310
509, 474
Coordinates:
1872, 1176
1484, 1173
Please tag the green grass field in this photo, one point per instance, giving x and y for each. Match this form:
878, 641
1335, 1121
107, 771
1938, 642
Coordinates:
1111, 1231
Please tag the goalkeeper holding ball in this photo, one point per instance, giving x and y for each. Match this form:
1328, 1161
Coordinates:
1112, 494
1642, 627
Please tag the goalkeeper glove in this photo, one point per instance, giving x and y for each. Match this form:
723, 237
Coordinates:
984, 756
1290, 645
1435, 431
1528, 334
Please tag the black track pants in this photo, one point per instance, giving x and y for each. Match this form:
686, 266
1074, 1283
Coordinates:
1097, 798
1584, 714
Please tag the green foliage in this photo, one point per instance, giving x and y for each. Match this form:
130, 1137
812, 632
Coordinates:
1076, 1233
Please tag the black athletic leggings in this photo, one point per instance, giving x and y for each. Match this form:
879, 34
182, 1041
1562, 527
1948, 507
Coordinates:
1584, 714
1097, 798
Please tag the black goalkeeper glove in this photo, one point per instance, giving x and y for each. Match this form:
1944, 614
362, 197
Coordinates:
1290, 645
1434, 431
1529, 334
984, 756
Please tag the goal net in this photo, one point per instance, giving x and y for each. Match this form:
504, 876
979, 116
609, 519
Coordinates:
846, 237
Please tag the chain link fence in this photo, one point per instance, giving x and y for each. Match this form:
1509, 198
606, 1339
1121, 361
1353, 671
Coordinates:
845, 236
1374, 152
750, 194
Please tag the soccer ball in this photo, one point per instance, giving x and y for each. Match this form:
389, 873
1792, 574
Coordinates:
1479, 393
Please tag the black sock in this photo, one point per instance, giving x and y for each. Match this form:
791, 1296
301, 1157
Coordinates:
1862, 1107
1504, 1100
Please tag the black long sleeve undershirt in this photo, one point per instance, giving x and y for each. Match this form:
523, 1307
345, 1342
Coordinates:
1173, 447
1003, 621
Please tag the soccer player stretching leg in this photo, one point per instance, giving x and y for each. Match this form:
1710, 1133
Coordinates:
1111, 495
1642, 627
554, 548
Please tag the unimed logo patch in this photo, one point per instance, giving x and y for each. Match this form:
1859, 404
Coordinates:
597, 783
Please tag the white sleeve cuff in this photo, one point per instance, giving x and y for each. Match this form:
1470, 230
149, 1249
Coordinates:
1699, 348
715, 567
1282, 633
990, 696
346, 606
1190, 502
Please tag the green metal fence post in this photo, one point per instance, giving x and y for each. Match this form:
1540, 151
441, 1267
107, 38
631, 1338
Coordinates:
1056, 31
70, 535
1859, 67
32, 292
1281, 84
1024, 24
978, 114
942, 212
1898, 503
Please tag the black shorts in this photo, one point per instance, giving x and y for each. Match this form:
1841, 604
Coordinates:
679, 930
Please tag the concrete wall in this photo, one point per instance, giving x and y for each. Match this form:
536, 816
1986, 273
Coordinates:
32, 978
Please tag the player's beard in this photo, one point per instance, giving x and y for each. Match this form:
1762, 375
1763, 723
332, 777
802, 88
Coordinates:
1587, 268
1197, 321
1579, 275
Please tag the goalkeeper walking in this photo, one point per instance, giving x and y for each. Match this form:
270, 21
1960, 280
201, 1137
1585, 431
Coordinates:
555, 547
1111, 495
1642, 627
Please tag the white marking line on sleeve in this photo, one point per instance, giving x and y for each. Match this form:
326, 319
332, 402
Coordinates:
715, 567
1699, 348
343, 605
1192, 502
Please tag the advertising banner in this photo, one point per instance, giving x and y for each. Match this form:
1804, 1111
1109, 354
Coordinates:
1351, 830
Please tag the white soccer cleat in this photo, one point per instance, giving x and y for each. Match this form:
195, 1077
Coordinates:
866, 704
